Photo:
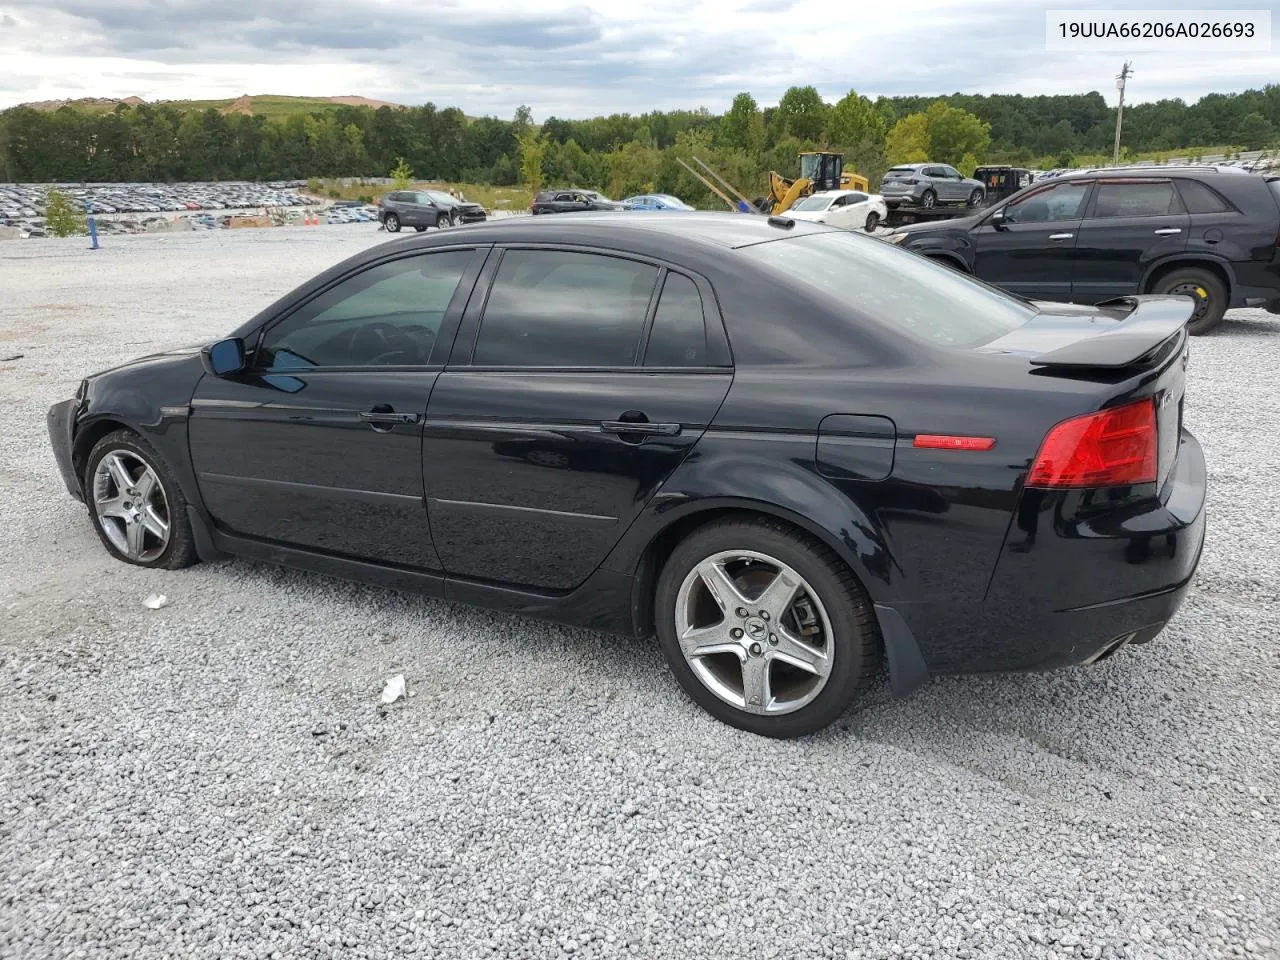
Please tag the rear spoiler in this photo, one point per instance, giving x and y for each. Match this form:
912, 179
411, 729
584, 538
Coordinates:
1146, 323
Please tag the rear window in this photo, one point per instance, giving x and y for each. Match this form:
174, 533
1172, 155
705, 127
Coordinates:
1156, 199
895, 287
900, 172
1201, 199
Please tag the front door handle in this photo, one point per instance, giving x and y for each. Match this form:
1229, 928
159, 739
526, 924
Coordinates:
1168, 231
383, 417
1061, 236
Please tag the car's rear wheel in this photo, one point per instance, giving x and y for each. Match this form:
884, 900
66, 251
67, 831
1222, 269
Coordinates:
872, 221
1205, 288
442, 221
928, 198
136, 504
765, 628
392, 223
975, 198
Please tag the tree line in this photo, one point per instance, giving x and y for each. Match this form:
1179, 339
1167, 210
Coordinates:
619, 154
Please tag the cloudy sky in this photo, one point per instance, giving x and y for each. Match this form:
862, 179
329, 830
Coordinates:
575, 58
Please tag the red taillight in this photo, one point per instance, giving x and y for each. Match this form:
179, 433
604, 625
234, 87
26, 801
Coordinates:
933, 441
1110, 448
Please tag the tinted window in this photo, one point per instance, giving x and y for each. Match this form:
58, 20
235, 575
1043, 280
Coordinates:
679, 335
1059, 202
868, 278
1198, 198
553, 308
1136, 200
386, 315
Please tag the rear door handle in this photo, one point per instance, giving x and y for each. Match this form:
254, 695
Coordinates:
648, 429
1061, 236
1168, 231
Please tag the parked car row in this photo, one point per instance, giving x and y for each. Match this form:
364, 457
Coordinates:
20, 201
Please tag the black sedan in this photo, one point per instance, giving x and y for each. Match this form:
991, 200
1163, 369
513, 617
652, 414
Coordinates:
784, 449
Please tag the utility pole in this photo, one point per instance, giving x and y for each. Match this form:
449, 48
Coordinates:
1121, 77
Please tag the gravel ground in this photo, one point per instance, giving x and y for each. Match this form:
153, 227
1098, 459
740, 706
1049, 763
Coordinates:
215, 778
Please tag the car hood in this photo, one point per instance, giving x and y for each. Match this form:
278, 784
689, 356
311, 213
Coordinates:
953, 225
152, 358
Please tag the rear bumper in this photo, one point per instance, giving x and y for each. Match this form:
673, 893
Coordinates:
1076, 581
61, 421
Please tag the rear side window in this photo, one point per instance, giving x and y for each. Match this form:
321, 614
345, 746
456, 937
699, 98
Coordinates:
1198, 198
679, 334
899, 289
1157, 199
557, 308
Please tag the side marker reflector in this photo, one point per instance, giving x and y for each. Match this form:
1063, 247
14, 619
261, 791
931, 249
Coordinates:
932, 441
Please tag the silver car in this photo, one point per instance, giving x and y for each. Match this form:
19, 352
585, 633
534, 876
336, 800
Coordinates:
928, 184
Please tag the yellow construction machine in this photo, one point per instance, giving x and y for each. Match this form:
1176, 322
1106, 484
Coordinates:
818, 171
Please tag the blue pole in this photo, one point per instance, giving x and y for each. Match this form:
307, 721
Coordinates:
93, 226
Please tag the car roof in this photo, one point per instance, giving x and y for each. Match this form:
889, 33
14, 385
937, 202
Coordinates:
1151, 170
696, 228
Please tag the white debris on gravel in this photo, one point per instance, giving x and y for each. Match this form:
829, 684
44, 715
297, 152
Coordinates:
156, 601
550, 792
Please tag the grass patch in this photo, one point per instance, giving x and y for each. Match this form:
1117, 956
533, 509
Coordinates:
492, 198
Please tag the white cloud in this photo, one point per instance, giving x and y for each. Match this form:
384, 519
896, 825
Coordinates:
569, 59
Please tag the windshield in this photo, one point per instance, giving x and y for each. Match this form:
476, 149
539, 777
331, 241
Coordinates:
814, 202
895, 287
439, 197
671, 201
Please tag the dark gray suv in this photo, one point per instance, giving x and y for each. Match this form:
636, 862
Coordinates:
929, 184
413, 208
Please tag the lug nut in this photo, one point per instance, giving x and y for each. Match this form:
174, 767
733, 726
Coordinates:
736, 633
773, 639
764, 614
756, 650
742, 612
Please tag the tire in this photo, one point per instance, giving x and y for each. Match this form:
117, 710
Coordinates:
116, 532
1203, 286
420, 229
392, 223
442, 222
975, 198
928, 198
804, 701
872, 221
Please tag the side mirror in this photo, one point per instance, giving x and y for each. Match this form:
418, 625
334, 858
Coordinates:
225, 357
997, 220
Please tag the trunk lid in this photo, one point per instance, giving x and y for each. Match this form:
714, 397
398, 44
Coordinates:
1119, 344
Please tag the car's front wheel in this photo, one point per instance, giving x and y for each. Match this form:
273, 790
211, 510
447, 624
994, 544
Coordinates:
975, 198
443, 222
765, 628
136, 505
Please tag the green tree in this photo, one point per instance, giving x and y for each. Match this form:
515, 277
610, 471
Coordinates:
63, 216
801, 113
855, 120
742, 128
908, 141
533, 147
1255, 131
402, 175
954, 132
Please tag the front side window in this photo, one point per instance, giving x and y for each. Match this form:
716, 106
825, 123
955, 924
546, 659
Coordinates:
868, 278
557, 308
1062, 201
386, 315
1154, 199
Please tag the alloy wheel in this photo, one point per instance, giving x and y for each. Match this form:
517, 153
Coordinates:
754, 632
130, 504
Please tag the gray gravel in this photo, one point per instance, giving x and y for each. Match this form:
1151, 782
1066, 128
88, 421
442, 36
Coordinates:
215, 778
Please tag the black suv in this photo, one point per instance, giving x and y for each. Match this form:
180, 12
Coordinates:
1091, 235
425, 208
572, 200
